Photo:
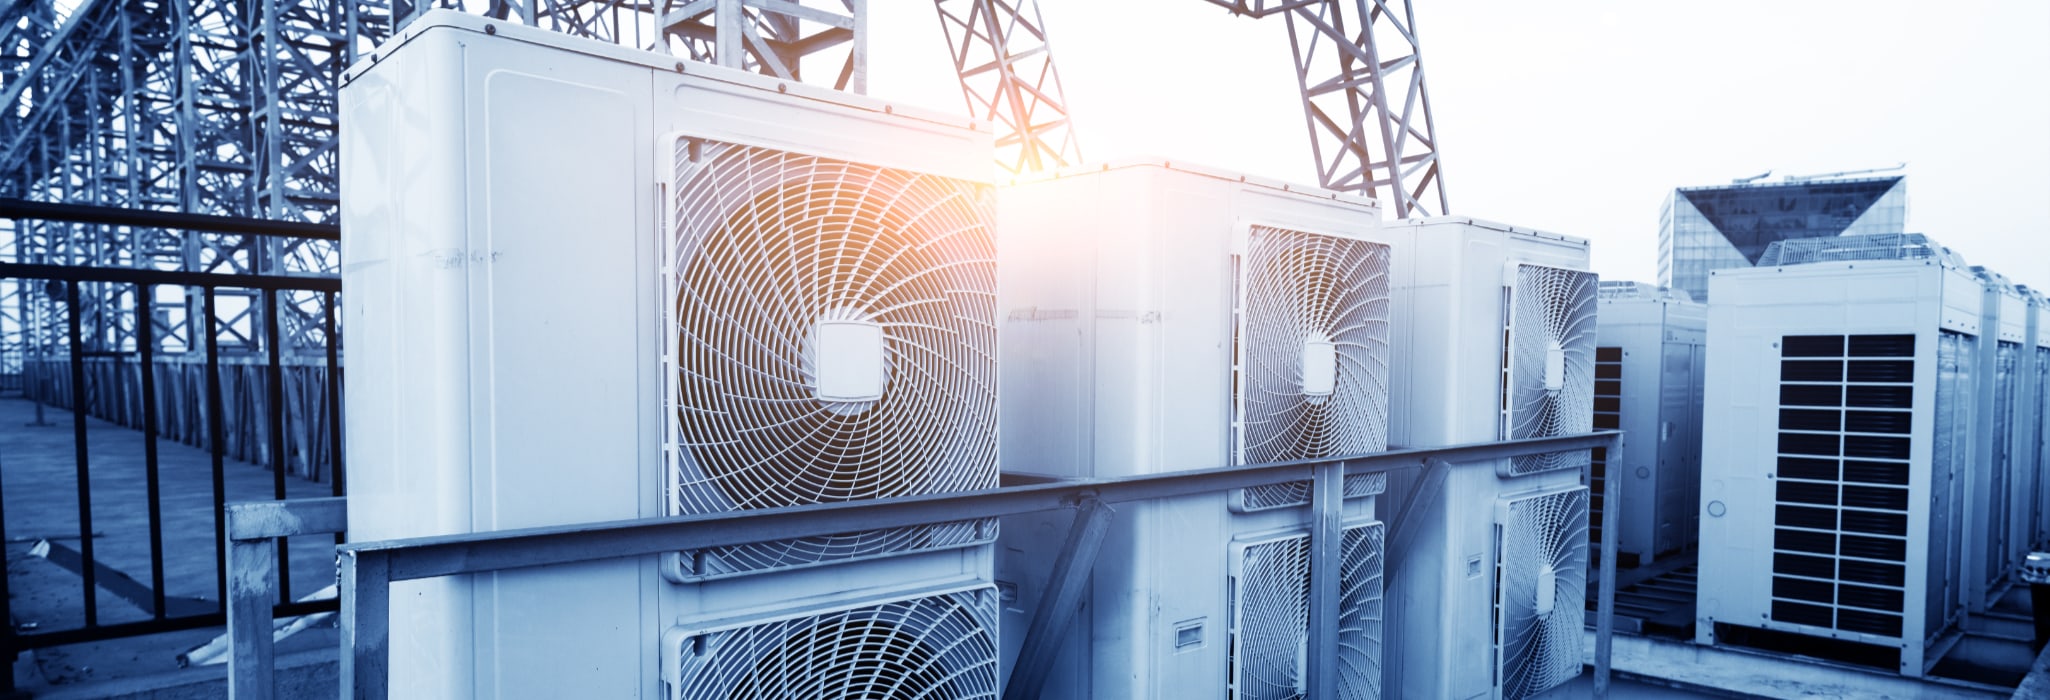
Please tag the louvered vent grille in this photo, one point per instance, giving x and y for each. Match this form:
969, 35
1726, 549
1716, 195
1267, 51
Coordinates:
1548, 363
1840, 535
1311, 375
1271, 612
942, 647
1540, 592
2006, 365
1608, 415
835, 340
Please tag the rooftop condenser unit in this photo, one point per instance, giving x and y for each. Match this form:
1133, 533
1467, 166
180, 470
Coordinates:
2004, 500
723, 292
1488, 315
1163, 317
1648, 366
1838, 444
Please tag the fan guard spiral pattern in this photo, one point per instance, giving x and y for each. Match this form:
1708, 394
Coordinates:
1551, 310
1271, 632
769, 248
1544, 538
1297, 288
940, 647
1297, 493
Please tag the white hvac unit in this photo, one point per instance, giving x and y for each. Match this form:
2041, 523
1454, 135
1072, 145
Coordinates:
1495, 338
2034, 435
588, 283
1648, 366
2002, 488
1163, 317
1838, 444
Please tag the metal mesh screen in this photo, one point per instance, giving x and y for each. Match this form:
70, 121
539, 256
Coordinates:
942, 647
1879, 246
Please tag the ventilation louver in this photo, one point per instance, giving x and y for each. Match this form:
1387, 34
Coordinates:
1271, 606
1878, 246
1548, 363
835, 340
1311, 376
940, 647
1541, 589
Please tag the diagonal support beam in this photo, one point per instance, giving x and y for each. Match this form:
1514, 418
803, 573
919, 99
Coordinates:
1063, 595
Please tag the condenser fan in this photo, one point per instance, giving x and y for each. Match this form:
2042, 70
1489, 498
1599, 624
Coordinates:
1540, 598
939, 647
1549, 365
1312, 344
1270, 635
835, 338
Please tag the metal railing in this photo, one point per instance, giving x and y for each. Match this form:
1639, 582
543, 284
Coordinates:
124, 383
368, 569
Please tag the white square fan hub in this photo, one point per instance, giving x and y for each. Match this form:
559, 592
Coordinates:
847, 361
1320, 368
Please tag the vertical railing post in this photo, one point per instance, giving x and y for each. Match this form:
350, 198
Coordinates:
252, 584
1605, 605
366, 624
1327, 524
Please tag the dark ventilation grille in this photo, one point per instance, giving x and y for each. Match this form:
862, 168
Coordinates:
1840, 519
1608, 415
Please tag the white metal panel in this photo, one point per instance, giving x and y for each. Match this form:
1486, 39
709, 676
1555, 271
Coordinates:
1755, 311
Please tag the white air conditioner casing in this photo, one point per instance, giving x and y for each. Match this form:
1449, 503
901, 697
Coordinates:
2002, 498
2035, 406
1648, 384
1124, 288
1455, 296
1838, 447
521, 206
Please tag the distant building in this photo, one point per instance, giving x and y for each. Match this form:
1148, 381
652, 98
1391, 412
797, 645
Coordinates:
1724, 226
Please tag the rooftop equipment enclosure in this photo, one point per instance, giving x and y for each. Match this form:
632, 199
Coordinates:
1162, 317
1648, 369
1838, 448
588, 283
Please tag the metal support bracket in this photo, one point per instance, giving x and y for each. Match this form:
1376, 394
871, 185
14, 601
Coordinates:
252, 539
1063, 595
1327, 532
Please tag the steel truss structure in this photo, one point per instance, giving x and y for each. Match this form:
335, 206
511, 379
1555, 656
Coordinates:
1369, 113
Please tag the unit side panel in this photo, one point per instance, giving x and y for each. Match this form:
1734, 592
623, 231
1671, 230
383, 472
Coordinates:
1637, 464
1046, 259
563, 267
407, 312
1186, 318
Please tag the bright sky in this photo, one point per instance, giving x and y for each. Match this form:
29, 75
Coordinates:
1578, 117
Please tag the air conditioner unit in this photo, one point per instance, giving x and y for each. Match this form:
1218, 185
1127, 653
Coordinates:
2001, 501
588, 283
2035, 433
1648, 367
1162, 317
1489, 316
1838, 442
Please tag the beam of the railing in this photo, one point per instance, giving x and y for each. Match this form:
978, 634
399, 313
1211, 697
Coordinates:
253, 529
1070, 576
369, 568
20, 209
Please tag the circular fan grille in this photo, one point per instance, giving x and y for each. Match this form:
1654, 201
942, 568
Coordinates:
772, 248
1298, 290
1270, 646
933, 648
1544, 543
1359, 614
1273, 624
1551, 361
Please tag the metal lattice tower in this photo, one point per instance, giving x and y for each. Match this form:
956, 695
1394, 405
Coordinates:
1364, 98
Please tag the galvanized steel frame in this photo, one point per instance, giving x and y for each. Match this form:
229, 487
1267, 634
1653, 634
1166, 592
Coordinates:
368, 569
1361, 71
